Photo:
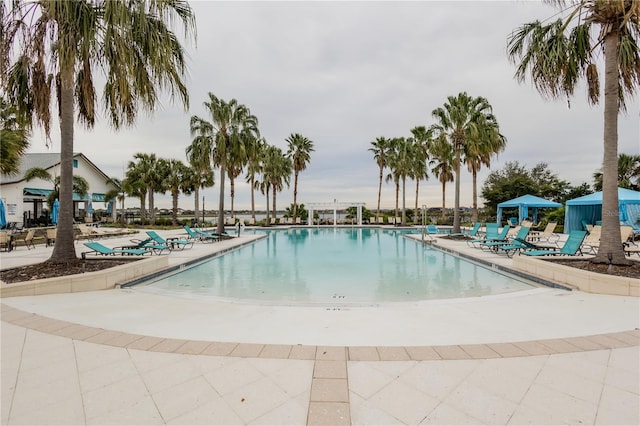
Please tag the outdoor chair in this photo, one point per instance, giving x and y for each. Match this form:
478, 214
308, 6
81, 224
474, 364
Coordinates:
99, 249
50, 238
27, 239
547, 237
501, 238
570, 247
5, 241
591, 242
491, 232
471, 233
195, 234
174, 242
146, 244
517, 245
497, 244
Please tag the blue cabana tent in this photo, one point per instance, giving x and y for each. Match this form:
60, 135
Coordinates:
523, 204
589, 209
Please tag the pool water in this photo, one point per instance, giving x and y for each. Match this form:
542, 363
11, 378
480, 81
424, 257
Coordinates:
336, 266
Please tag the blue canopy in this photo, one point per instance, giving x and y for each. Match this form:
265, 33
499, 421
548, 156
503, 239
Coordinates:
523, 203
55, 211
3, 214
589, 209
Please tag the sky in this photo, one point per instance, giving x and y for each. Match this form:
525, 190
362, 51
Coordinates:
343, 74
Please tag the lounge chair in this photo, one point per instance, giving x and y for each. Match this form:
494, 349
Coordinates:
6, 242
547, 237
498, 244
88, 232
501, 238
570, 247
591, 242
98, 248
517, 245
196, 234
146, 244
491, 232
471, 233
174, 242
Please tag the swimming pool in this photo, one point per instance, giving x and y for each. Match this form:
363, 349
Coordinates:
344, 266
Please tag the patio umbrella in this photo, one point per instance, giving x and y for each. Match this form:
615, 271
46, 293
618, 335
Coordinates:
3, 214
54, 211
90, 210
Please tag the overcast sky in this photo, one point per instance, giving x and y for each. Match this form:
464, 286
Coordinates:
343, 74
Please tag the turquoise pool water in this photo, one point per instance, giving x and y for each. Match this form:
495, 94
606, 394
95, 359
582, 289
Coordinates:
336, 265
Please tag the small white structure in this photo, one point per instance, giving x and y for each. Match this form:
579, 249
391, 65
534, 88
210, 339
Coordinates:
25, 200
335, 206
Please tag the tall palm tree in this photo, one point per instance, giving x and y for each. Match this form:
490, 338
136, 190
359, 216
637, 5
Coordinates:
255, 151
199, 155
380, 149
119, 194
422, 139
177, 180
276, 173
300, 149
14, 134
628, 173
135, 187
151, 171
50, 44
231, 125
442, 165
461, 119
478, 152
402, 164
559, 53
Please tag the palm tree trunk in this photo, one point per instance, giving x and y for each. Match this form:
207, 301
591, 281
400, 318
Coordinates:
610, 242
379, 193
444, 210
474, 175
456, 211
232, 184
196, 194
416, 214
220, 227
253, 203
397, 198
64, 249
152, 207
174, 208
295, 195
268, 219
275, 216
404, 199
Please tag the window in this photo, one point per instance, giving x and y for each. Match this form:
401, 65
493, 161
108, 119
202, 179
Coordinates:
75, 163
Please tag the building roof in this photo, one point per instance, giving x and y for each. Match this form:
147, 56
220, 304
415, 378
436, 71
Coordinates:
43, 160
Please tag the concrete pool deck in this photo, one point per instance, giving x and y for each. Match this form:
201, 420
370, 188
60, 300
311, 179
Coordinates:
544, 356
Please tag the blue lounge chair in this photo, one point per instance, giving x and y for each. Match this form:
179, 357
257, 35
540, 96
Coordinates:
198, 235
491, 232
97, 248
474, 232
147, 244
570, 247
432, 229
500, 239
496, 244
172, 242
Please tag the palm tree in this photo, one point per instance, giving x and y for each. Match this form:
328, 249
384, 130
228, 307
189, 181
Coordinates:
422, 139
392, 159
478, 152
177, 180
461, 119
402, 165
442, 165
300, 149
199, 155
46, 42
120, 193
231, 126
135, 187
14, 134
276, 172
628, 173
380, 149
150, 170
255, 149
559, 53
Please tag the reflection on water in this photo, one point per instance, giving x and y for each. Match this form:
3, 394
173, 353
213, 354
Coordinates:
338, 265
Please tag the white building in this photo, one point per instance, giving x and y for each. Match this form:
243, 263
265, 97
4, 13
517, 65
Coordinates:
26, 201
